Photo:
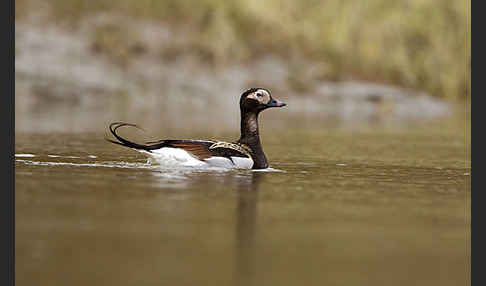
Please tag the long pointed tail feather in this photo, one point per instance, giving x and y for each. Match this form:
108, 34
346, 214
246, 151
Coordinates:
124, 142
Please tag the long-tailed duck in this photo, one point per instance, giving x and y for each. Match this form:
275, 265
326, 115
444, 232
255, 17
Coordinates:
245, 153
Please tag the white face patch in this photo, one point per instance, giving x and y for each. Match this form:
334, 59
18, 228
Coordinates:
261, 95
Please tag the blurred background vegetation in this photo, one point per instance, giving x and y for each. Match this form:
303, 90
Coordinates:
418, 44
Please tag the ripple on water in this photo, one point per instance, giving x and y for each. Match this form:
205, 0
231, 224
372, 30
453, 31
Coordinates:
269, 170
99, 164
25, 155
119, 164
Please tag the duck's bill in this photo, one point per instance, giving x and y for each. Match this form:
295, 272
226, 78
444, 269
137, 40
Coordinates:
276, 103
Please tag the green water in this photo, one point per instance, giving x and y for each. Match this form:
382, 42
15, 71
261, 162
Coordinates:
372, 206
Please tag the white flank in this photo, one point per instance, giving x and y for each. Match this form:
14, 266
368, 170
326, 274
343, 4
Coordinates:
243, 163
220, 162
172, 157
167, 156
238, 162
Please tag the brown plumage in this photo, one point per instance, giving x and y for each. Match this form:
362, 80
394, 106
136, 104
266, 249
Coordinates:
199, 150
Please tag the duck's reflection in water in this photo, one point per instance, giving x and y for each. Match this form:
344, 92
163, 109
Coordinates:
246, 229
246, 184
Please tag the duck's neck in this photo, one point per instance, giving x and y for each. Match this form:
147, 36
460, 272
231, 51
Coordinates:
251, 138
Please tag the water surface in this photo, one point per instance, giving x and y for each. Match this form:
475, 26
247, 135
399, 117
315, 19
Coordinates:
339, 207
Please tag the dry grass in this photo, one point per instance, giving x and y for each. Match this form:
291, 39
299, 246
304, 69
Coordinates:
418, 44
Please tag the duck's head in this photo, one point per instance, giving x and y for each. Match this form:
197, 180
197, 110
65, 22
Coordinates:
258, 99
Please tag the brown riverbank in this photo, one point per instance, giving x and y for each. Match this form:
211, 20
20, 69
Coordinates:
63, 83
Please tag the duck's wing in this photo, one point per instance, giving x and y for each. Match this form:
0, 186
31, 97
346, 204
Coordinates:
230, 149
197, 148
208, 149
202, 149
